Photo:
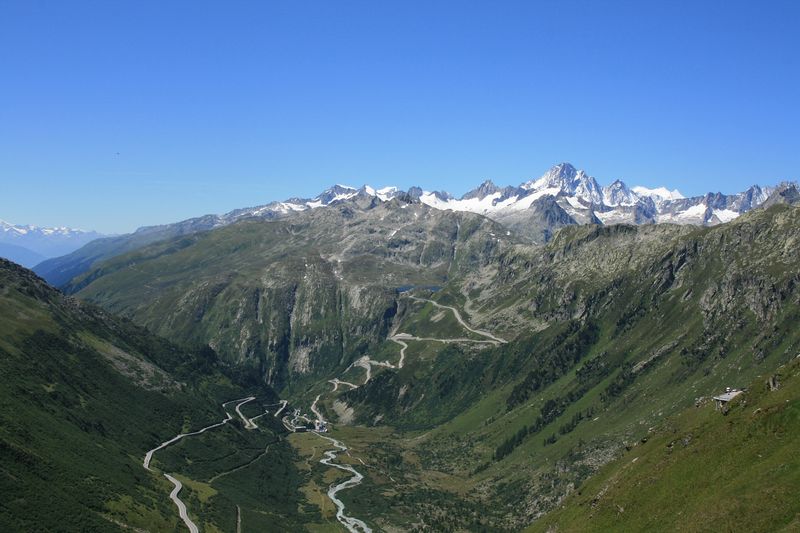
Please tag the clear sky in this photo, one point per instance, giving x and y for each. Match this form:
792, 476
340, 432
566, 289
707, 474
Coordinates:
116, 114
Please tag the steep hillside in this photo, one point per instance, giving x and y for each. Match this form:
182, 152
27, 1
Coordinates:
533, 211
703, 470
610, 329
84, 395
60, 270
292, 297
481, 376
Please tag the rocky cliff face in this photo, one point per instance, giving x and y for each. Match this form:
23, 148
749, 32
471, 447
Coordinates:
298, 297
727, 279
535, 210
611, 329
296, 320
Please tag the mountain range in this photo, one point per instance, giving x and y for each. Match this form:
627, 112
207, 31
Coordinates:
574, 196
29, 245
482, 369
533, 211
482, 380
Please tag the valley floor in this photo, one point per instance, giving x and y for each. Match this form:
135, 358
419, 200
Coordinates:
375, 477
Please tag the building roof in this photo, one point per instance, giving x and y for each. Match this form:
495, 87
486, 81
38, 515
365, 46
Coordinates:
728, 396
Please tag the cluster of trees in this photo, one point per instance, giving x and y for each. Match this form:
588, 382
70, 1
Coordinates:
428, 509
550, 411
594, 369
576, 419
629, 317
621, 382
563, 353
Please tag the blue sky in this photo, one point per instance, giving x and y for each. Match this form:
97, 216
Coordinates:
120, 114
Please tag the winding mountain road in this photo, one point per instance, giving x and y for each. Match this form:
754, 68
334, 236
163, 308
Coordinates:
182, 511
315, 410
409, 337
403, 346
336, 382
355, 525
461, 320
181, 506
248, 422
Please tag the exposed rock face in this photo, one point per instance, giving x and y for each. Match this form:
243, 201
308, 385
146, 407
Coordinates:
578, 194
540, 221
618, 194
297, 297
785, 193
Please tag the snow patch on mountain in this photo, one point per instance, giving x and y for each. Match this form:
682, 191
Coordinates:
562, 195
473, 205
660, 193
725, 215
577, 193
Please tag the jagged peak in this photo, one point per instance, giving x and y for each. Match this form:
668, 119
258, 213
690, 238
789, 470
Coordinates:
618, 184
658, 193
564, 169
786, 192
618, 193
565, 179
482, 191
577, 191
556, 177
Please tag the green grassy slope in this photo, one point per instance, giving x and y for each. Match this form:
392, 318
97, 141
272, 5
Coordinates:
611, 330
60, 270
631, 338
290, 297
702, 471
83, 396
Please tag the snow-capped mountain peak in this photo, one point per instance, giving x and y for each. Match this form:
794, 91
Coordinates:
568, 181
17, 229
562, 195
44, 242
578, 195
658, 193
336, 193
618, 194
560, 176
387, 193
484, 189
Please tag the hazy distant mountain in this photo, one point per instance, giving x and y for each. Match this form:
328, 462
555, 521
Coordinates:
42, 242
21, 256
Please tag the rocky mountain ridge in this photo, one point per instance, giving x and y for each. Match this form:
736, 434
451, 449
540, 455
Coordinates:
608, 330
297, 295
577, 193
533, 211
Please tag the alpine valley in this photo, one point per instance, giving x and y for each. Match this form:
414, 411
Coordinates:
542, 356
